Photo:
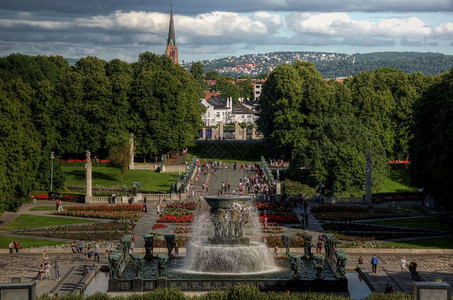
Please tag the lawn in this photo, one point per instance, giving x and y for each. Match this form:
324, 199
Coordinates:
397, 181
437, 243
27, 242
230, 152
30, 221
422, 223
110, 177
40, 208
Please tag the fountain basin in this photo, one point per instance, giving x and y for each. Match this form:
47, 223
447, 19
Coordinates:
208, 258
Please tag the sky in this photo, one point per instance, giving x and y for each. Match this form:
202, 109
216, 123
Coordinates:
207, 29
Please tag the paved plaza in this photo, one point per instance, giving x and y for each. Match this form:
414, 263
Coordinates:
432, 264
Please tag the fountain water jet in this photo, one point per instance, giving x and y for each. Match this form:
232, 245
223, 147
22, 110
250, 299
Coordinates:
227, 249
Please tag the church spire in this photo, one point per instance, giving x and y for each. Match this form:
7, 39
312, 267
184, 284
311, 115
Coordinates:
172, 47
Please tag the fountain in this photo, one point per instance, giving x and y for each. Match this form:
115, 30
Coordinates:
228, 250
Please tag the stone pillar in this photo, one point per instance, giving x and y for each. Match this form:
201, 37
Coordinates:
203, 133
237, 131
131, 151
368, 178
278, 188
253, 133
244, 133
221, 130
88, 178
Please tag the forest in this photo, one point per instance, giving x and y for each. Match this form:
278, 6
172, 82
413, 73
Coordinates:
47, 105
325, 128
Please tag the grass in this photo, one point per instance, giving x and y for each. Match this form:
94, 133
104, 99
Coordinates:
41, 208
230, 152
436, 243
24, 221
421, 223
398, 181
110, 177
27, 242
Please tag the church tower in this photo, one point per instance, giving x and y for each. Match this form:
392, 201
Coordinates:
172, 47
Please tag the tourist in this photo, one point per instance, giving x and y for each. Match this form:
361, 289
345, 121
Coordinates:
319, 246
388, 289
80, 246
158, 208
50, 294
11, 246
413, 268
113, 198
89, 255
106, 256
265, 221
305, 204
374, 263
57, 268
176, 249
145, 208
96, 252
16, 246
47, 270
403, 264
417, 277
306, 219
74, 247
360, 261
86, 270
41, 271
276, 250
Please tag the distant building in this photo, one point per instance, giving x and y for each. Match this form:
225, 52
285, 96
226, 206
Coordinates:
172, 46
222, 110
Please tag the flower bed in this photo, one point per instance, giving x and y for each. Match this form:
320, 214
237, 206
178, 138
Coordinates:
273, 228
271, 218
106, 208
114, 225
176, 211
272, 206
183, 229
349, 213
159, 226
116, 215
184, 205
175, 219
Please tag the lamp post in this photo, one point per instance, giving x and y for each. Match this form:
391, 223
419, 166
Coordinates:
52, 157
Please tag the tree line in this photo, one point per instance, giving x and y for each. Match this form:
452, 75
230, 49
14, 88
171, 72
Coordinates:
47, 105
324, 128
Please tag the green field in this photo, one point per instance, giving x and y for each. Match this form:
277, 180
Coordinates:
41, 208
422, 223
110, 177
30, 221
230, 152
27, 242
397, 181
436, 243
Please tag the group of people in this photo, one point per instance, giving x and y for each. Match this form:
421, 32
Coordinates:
45, 268
13, 245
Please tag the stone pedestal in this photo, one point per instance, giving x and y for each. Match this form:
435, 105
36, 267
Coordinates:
253, 133
431, 290
131, 151
221, 130
88, 178
244, 133
203, 133
137, 285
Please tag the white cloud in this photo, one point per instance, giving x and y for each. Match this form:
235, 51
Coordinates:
342, 25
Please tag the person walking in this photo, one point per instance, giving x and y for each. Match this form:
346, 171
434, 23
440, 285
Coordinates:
11, 246
16, 246
276, 250
57, 268
47, 270
403, 264
374, 263
96, 253
413, 268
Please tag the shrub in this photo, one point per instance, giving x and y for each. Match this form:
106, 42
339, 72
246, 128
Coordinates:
294, 187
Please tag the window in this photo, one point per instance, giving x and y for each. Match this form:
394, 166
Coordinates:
218, 115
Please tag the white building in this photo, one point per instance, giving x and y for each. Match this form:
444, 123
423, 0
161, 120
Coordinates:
217, 110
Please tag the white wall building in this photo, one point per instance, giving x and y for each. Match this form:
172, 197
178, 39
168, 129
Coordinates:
217, 110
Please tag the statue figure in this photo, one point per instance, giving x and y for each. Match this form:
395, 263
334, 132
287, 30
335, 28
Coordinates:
149, 245
170, 239
88, 154
126, 241
330, 245
162, 157
286, 239
341, 257
307, 246
319, 265
114, 264
278, 174
294, 262
161, 263
137, 263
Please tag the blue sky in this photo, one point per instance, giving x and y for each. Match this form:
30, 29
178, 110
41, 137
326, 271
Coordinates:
208, 29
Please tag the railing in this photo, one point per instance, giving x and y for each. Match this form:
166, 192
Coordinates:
100, 199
